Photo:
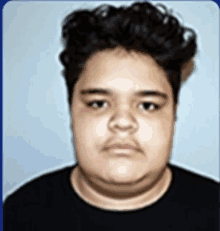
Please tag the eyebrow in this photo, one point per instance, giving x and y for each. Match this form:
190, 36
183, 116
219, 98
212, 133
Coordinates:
100, 91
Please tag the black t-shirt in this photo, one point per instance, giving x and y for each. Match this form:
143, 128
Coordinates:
50, 203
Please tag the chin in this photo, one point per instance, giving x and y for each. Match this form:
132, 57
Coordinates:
125, 178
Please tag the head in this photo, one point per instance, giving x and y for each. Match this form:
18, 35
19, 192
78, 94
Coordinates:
133, 57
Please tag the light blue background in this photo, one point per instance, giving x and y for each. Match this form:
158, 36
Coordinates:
36, 120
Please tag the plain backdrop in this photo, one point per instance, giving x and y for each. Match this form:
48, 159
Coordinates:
36, 120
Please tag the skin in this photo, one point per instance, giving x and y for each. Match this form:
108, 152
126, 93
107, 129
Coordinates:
122, 182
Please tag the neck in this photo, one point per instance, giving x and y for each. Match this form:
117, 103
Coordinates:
99, 198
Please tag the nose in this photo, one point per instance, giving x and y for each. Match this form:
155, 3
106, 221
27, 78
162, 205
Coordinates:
123, 121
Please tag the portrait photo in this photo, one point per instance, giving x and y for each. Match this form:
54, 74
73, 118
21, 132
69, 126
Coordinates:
111, 115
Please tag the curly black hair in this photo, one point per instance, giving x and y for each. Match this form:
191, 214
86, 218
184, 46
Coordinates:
140, 27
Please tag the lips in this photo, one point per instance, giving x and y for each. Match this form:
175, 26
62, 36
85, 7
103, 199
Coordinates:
122, 147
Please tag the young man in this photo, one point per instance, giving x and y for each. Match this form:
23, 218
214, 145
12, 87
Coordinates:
123, 70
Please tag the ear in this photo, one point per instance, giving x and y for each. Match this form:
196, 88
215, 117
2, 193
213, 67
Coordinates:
174, 129
175, 113
188, 69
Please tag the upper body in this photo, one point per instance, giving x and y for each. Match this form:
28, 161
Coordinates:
52, 202
123, 69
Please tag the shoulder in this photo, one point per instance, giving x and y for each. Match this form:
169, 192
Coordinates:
199, 188
38, 189
188, 176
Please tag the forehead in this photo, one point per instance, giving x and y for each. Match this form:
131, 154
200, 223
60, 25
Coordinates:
123, 72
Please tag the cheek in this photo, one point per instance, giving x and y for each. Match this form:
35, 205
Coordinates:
90, 133
156, 136
156, 142
89, 130
95, 126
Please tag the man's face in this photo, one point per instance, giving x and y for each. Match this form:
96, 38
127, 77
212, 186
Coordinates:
123, 116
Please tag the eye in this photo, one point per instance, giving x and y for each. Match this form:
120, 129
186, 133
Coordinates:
149, 106
96, 103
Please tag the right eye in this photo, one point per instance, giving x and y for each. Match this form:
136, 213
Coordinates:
96, 104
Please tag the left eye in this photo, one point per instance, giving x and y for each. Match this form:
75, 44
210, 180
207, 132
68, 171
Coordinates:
96, 104
149, 106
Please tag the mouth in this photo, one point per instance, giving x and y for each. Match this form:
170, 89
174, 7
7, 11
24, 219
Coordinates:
122, 150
